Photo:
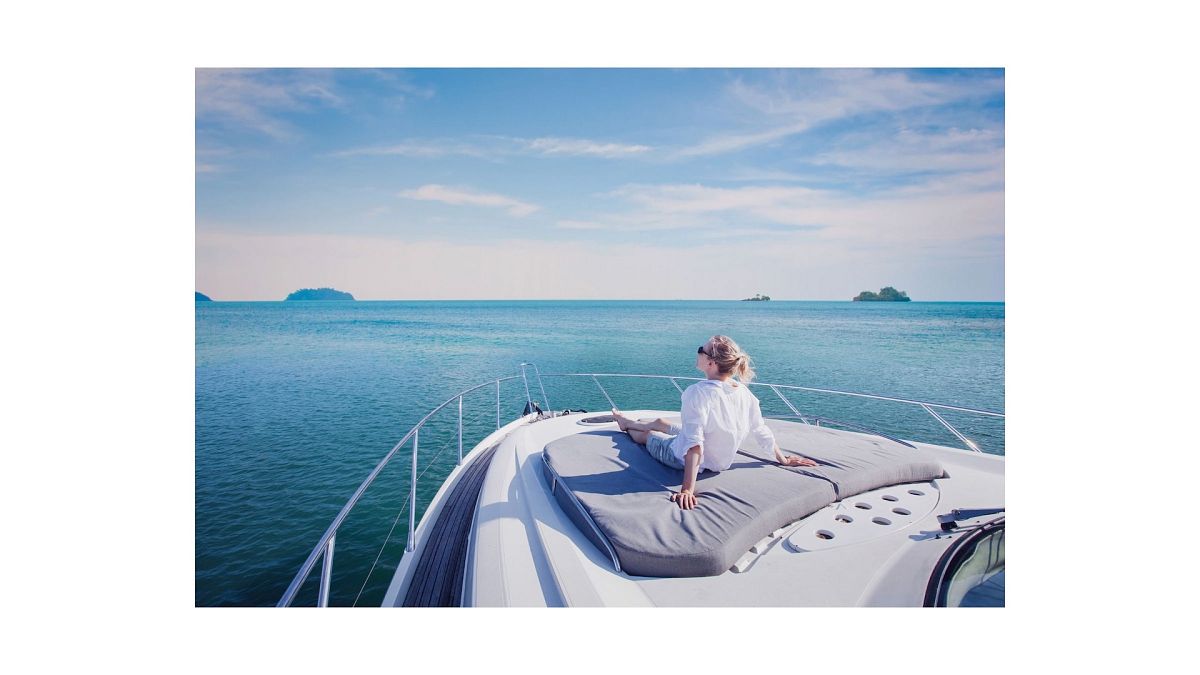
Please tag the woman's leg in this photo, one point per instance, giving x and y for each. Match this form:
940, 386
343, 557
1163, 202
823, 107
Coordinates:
631, 425
638, 435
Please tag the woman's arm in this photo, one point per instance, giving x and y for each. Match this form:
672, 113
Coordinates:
686, 497
791, 460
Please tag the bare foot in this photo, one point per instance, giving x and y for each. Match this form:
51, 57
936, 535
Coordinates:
621, 420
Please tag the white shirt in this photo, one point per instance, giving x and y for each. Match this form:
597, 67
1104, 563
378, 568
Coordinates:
718, 416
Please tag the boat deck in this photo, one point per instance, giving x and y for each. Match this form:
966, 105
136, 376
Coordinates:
526, 551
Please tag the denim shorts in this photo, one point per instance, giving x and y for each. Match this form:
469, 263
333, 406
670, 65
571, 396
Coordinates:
658, 445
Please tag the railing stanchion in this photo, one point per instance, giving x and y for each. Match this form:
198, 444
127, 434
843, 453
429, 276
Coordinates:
788, 403
966, 441
610, 401
326, 573
460, 431
541, 386
497, 404
412, 498
528, 398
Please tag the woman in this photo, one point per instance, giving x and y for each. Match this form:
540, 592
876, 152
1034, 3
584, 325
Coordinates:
718, 413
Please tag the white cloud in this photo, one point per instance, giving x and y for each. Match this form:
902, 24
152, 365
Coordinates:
909, 150
798, 100
494, 147
580, 225
585, 147
426, 148
398, 81
253, 99
935, 215
460, 196
697, 198
752, 175
724, 143
818, 96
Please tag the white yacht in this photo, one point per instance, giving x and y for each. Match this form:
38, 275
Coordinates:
564, 509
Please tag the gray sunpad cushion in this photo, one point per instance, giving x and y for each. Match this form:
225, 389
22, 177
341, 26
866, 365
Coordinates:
854, 462
626, 493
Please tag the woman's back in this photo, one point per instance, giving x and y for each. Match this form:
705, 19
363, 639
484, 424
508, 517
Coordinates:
717, 416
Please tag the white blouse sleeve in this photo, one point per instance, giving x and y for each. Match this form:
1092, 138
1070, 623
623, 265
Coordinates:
695, 415
758, 428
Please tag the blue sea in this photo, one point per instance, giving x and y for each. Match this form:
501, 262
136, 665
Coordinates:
296, 402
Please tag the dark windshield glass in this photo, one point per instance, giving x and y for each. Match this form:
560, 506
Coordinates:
977, 580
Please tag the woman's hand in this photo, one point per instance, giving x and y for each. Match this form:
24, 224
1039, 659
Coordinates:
796, 461
685, 498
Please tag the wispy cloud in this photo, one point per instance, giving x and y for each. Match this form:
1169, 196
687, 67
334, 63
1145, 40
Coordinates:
724, 143
461, 196
585, 147
817, 96
953, 149
401, 85
495, 147
941, 213
420, 148
797, 101
698, 198
255, 99
569, 224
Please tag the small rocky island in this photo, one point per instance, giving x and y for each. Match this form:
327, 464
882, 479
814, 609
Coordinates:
319, 294
758, 297
885, 294
200, 297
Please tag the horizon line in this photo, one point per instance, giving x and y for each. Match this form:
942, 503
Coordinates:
868, 302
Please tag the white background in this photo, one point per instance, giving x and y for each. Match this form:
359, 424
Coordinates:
98, 272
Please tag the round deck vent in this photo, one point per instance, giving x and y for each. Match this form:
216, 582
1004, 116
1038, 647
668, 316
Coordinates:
883, 512
598, 419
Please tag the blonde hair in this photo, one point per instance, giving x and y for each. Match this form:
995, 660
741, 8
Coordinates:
729, 357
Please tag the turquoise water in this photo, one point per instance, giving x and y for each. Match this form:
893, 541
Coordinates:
296, 402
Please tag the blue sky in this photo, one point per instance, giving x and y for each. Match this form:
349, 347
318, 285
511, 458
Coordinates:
594, 183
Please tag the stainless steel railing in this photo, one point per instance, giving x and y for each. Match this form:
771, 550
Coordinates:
325, 546
324, 549
924, 405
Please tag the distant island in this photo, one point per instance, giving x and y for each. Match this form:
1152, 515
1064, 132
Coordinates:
319, 294
885, 294
200, 297
758, 297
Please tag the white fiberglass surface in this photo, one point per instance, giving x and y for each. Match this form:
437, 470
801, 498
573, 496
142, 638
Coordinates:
539, 557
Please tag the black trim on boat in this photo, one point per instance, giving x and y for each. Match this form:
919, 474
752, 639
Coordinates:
935, 592
438, 576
